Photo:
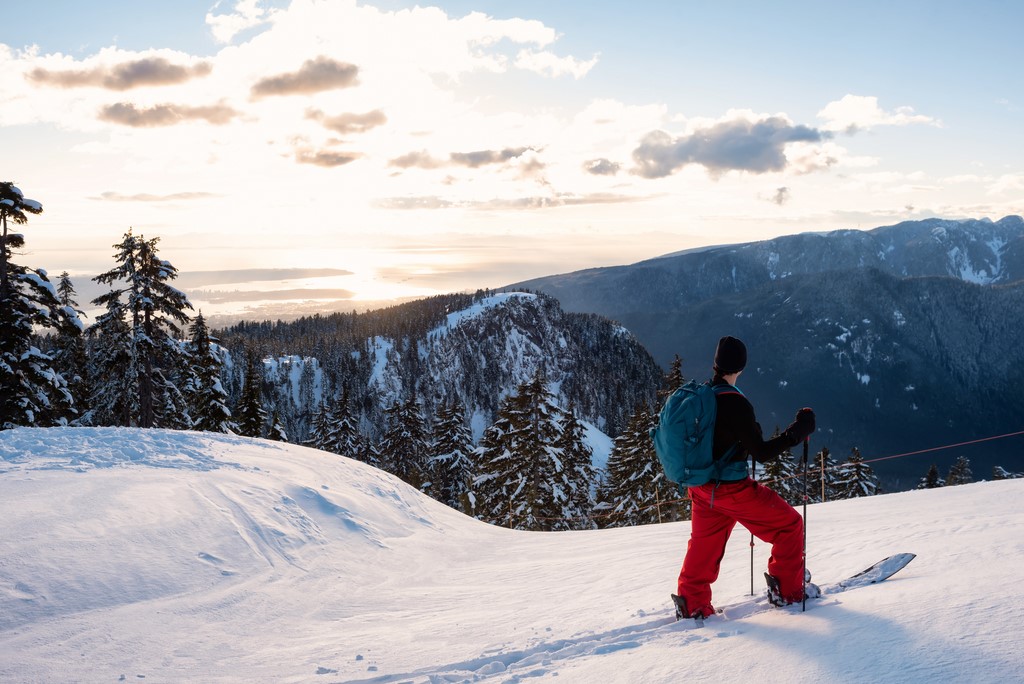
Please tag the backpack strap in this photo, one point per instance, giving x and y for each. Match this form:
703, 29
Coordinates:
720, 391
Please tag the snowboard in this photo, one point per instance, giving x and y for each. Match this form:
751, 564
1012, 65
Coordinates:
879, 572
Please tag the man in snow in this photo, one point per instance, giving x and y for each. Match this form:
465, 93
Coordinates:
735, 497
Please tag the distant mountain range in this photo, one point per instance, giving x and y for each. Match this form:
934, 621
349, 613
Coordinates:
902, 338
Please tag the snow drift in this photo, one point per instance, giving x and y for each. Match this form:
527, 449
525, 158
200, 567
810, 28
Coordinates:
176, 556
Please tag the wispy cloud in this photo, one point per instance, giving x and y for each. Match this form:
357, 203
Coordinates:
195, 279
348, 123
420, 160
111, 196
147, 71
475, 160
601, 167
314, 76
127, 114
248, 14
510, 203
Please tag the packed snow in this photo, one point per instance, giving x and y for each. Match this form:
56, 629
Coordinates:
159, 556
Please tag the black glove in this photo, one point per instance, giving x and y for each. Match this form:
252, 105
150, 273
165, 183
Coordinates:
802, 427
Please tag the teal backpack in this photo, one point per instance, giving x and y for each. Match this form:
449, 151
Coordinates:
685, 433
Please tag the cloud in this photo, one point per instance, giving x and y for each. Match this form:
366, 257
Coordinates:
247, 15
127, 114
147, 71
325, 158
111, 196
349, 123
855, 113
781, 196
601, 167
419, 160
475, 160
314, 76
548, 64
195, 279
216, 297
735, 145
510, 203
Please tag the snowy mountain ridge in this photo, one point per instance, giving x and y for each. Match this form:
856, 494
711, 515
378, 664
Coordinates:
179, 556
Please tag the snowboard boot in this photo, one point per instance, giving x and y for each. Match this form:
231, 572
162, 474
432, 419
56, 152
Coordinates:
775, 597
684, 613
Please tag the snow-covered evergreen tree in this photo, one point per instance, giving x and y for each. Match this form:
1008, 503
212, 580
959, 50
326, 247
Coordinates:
674, 379
69, 352
32, 391
960, 472
855, 478
1001, 473
931, 480
404, 448
343, 435
208, 402
451, 455
577, 476
785, 476
824, 477
155, 310
519, 464
276, 431
318, 434
636, 491
251, 415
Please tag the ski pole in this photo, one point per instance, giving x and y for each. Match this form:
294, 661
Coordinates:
803, 607
754, 478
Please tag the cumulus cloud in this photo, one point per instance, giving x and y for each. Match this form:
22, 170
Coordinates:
248, 14
601, 167
854, 113
325, 158
314, 76
111, 196
146, 71
735, 145
349, 123
475, 160
127, 114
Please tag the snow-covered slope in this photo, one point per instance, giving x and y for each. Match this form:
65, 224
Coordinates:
186, 557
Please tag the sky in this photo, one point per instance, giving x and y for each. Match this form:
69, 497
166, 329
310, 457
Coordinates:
360, 151
171, 556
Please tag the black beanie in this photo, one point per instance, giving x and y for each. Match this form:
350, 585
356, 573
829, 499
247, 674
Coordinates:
731, 355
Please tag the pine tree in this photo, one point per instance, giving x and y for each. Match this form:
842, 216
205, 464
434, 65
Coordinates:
519, 463
155, 310
578, 475
208, 401
277, 431
674, 379
343, 435
451, 455
931, 480
960, 472
112, 375
32, 391
69, 355
1001, 473
318, 435
404, 447
251, 415
784, 475
856, 478
636, 491
824, 476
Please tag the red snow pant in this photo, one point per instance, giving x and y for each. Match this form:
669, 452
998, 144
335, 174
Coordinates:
716, 510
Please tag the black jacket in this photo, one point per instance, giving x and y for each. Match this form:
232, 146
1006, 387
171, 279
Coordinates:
735, 424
